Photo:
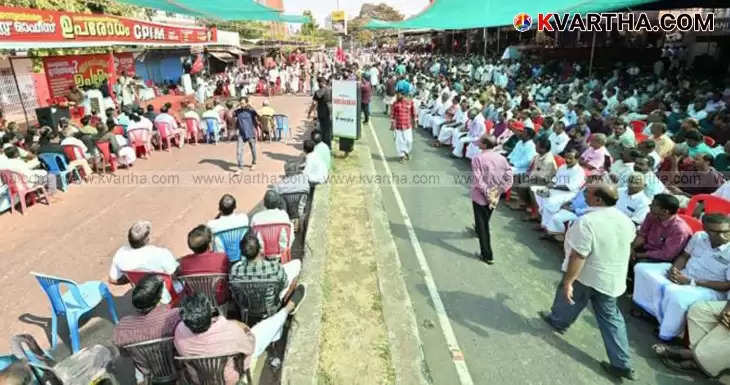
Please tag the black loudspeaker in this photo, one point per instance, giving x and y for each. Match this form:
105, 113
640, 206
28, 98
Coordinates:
49, 116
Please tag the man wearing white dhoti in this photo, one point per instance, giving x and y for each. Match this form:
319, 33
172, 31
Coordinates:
568, 180
701, 273
428, 108
457, 125
447, 118
476, 128
402, 118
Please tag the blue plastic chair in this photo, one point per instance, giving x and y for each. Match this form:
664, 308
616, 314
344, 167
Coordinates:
282, 127
78, 300
231, 241
212, 130
56, 165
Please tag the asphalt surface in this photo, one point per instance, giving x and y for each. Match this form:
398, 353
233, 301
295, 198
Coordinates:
493, 309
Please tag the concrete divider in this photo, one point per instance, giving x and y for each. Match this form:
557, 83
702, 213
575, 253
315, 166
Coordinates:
301, 358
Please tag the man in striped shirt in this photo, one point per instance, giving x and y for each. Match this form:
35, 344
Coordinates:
402, 117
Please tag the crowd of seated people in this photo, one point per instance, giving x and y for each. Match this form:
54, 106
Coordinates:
660, 138
79, 143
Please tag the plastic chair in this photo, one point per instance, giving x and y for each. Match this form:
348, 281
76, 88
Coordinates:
638, 126
135, 276
712, 204
214, 286
192, 130
24, 346
155, 359
257, 300
293, 201
559, 160
267, 127
640, 137
212, 130
209, 370
281, 122
17, 186
107, 157
118, 130
74, 152
56, 165
74, 303
710, 141
166, 136
694, 223
231, 240
140, 140
271, 234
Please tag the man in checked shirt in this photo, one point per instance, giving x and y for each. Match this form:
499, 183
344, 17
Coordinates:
402, 117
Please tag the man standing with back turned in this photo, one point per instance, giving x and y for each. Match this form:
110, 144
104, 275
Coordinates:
491, 176
595, 267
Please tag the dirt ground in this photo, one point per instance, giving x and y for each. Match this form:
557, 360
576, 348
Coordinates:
76, 236
354, 347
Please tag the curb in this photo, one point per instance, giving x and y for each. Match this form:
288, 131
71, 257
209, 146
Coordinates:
406, 348
301, 358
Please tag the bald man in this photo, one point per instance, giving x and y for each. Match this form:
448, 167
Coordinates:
595, 268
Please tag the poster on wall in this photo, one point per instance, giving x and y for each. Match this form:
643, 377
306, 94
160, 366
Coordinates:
124, 63
63, 72
345, 109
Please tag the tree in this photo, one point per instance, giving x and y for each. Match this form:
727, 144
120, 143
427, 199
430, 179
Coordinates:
368, 12
309, 28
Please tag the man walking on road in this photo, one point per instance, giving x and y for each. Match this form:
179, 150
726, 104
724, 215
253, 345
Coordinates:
322, 100
366, 91
402, 120
595, 266
491, 176
247, 120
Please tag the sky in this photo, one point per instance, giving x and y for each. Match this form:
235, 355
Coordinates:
321, 8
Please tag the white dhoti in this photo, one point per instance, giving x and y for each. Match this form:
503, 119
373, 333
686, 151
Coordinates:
667, 301
458, 142
403, 141
436, 122
389, 100
423, 116
473, 150
446, 133
554, 201
554, 223
127, 156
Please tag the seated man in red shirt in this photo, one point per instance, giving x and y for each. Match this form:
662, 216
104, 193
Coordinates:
153, 320
204, 260
203, 334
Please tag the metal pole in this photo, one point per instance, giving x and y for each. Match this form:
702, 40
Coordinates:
20, 94
593, 48
485, 42
498, 41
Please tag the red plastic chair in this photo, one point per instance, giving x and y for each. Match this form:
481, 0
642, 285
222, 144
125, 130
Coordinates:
192, 130
77, 112
712, 204
17, 186
74, 152
118, 130
709, 141
638, 126
166, 139
640, 137
694, 223
140, 140
135, 276
107, 157
559, 161
269, 233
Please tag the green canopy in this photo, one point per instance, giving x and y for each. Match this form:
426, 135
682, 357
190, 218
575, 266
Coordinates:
466, 14
380, 24
229, 10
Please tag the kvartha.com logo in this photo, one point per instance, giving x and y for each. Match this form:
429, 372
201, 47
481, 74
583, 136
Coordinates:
616, 21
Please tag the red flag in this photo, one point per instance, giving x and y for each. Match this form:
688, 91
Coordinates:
197, 65
340, 54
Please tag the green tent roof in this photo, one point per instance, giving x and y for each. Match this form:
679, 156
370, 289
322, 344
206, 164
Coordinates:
229, 10
380, 24
465, 14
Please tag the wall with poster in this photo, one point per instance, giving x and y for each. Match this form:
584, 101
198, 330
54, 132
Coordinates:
124, 63
63, 72
345, 109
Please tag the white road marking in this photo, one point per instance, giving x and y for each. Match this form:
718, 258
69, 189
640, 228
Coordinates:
456, 354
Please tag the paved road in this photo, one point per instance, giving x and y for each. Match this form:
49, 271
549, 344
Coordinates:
493, 309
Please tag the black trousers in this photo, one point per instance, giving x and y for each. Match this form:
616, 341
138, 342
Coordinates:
366, 111
325, 126
482, 214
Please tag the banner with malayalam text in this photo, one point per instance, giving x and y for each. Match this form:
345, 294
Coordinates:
35, 28
63, 72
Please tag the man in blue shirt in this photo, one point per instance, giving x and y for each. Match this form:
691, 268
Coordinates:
403, 86
247, 120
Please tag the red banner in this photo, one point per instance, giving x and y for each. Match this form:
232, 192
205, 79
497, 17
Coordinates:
63, 72
124, 63
23, 25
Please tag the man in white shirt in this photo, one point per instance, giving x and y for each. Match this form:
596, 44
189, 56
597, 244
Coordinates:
165, 117
314, 168
558, 138
227, 218
212, 115
11, 161
700, 273
632, 201
322, 149
274, 213
448, 129
567, 182
139, 256
70, 140
697, 110
595, 267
